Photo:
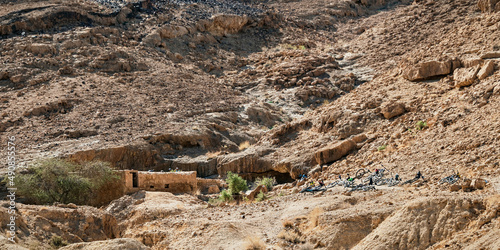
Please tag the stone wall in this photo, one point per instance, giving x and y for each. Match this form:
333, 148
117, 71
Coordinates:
173, 182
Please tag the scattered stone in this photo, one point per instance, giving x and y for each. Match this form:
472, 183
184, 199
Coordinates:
491, 55
455, 188
478, 183
390, 109
465, 76
251, 196
487, 69
426, 70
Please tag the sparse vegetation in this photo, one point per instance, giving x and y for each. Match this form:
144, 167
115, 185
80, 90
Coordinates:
381, 148
290, 236
254, 243
269, 182
421, 125
261, 197
57, 241
287, 224
236, 183
225, 195
58, 180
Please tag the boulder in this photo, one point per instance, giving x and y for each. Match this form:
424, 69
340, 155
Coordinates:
41, 49
490, 55
114, 244
223, 24
471, 62
465, 76
455, 188
390, 110
213, 189
172, 31
466, 185
335, 152
487, 69
429, 69
152, 40
478, 183
251, 196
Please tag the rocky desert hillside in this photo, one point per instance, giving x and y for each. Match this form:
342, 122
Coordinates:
274, 88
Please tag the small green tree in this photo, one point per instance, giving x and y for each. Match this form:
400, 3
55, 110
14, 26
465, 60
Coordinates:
57, 180
236, 183
225, 195
261, 196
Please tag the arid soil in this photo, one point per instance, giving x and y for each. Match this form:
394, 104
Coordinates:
260, 88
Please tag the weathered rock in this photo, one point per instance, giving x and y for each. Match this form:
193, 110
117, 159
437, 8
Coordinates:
152, 40
465, 76
471, 62
114, 244
256, 191
490, 55
334, 152
172, 31
478, 183
466, 185
214, 189
359, 138
487, 69
455, 187
426, 70
41, 49
390, 110
223, 24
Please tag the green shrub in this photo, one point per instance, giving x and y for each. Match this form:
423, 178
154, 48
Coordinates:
261, 196
420, 125
57, 241
225, 195
57, 180
236, 183
269, 182
383, 147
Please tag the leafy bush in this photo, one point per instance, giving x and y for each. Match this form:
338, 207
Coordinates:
57, 180
57, 241
261, 196
225, 195
383, 147
269, 182
236, 183
420, 125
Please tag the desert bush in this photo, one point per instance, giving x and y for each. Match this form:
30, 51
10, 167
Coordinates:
56, 180
421, 125
254, 243
261, 196
383, 147
225, 195
269, 182
290, 236
57, 241
236, 183
287, 224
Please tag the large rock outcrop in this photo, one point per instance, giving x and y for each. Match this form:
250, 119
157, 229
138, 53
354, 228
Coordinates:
430, 69
335, 152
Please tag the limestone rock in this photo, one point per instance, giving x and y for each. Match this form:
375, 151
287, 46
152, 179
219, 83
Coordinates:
172, 31
465, 76
478, 183
334, 152
214, 189
390, 110
114, 244
471, 62
223, 24
152, 40
486, 70
256, 191
41, 49
490, 55
488, 5
466, 185
455, 188
426, 70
